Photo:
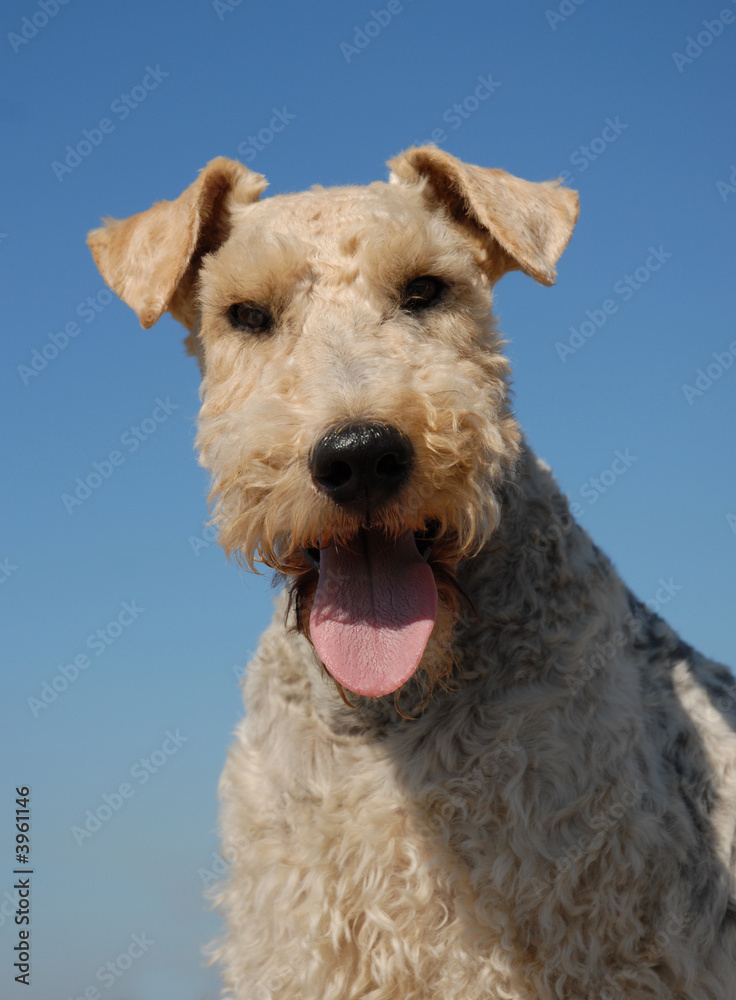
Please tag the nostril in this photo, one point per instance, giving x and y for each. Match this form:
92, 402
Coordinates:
335, 476
390, 468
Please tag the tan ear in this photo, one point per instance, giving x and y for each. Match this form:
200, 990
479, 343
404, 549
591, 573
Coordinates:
150, 260
530, 223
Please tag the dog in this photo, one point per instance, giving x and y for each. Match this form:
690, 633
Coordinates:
473, 764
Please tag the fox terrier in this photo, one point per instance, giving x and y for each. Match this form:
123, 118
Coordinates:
473, 764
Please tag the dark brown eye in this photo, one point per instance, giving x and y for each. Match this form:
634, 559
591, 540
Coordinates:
422, 292
246, 316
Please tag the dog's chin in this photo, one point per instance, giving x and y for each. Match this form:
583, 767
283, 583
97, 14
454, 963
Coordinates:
380, 611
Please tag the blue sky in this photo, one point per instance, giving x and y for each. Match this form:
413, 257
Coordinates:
625, 381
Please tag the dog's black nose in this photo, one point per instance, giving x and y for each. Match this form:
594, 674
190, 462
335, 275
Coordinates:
361, 464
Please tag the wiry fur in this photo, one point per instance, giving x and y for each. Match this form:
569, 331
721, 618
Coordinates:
556, 817
355, 355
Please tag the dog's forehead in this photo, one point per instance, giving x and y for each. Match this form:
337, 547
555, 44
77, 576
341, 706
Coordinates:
330, 217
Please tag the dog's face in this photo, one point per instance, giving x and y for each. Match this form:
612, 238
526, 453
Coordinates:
354, 417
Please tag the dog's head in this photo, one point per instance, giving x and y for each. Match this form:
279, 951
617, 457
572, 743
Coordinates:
355, 410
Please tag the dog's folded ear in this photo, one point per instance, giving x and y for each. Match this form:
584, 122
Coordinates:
151, 259
530, 224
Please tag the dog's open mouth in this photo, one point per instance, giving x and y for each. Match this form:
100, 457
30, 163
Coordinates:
374, 609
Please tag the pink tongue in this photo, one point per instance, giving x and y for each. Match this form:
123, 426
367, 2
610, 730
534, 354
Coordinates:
373, 612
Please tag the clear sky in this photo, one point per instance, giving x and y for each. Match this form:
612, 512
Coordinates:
108, 107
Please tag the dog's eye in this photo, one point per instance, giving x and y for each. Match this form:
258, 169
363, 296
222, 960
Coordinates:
246, 316
422, 292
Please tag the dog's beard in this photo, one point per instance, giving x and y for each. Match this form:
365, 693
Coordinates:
377, 614
376, 592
